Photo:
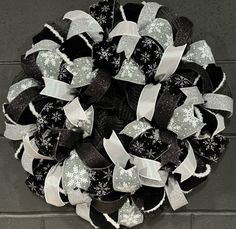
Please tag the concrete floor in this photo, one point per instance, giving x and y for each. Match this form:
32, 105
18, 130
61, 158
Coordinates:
211, 206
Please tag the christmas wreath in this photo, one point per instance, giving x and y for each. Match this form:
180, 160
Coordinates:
118, 112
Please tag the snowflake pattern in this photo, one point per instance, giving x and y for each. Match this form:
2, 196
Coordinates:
210, 148
49, 63
82, 71
126, 180
184, 123
75, 173
151, 146
136, 128
160, 30
129, 215
130, 72
101, 188
19, 87
147, 55
200, 53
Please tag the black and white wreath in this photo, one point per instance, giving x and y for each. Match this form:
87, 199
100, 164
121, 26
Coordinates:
118, 112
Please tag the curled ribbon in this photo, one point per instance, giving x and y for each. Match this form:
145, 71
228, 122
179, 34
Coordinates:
52, 186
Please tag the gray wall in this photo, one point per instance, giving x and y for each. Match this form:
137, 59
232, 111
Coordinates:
212, 205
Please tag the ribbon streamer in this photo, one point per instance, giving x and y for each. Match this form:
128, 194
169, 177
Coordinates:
44, 45
75, 112
175, 194
52, 186
128, 28
58, 89
147, 101
148, 13
219, 102
188, 167
27, 162
169, 62
17, 132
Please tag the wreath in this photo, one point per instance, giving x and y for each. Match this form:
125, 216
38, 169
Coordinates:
118, 112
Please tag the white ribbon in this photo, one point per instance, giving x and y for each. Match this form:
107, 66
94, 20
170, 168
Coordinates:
17, 131
175, 194
128, 28
52, 186
188, 167
169, 62
75, 112
45, 45
27, 162
58, 89
147, 101
115, 150
193, 95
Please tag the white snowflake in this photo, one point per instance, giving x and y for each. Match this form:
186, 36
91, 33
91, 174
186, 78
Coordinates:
145, 57
210, 144
56, 116
49, 58
158, 53
48, 107
150, 153
116, 63
38, 176
102, 188
147, 43
32, 187
41, 121
46, 143
77, 177
105, 8
152, 68
101, 19
104, 54
138, 147
92, 175
181, 81
108, 174
126, 186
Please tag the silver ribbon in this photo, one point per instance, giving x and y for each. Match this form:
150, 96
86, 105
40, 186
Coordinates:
17, 131
52, 186
193, 95
147, 101
199, 53
148, 13
128, 28
175, 194
82, 71
83, 22
148, 170
130, 72
189, 165
58, 89
129, 215
126, 180
160, 30
219, 102
20, 86
75, 174
49, 63
135, 128
169, 62
127, 44
45, 45
184, 123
